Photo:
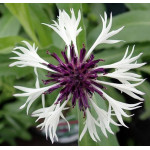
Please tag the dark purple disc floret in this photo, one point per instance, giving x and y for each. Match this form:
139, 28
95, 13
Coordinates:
75, 77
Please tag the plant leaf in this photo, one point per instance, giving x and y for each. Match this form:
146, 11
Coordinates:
142, 6
21, 12
9, 25
145, 88
39, 16
8, 43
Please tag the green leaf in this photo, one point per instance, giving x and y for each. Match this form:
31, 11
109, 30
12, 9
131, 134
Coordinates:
3, 9
92, 11
1, 140
57, 39
145, 88
21, 12
8, 43
142, 6
39, 16
7, 89
95, 10
145, 69
9, 25
12, 122
14, 71
136, 23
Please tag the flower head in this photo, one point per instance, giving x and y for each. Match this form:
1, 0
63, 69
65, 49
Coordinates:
78, 76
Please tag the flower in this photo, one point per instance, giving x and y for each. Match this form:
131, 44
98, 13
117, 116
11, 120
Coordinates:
78, 76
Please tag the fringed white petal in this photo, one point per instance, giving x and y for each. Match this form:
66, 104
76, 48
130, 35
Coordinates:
123, 76
103, 119
129, 89
29, 57
32, 94
51, 116
126, 63
105, 34
90, 125
67, 28
119, 107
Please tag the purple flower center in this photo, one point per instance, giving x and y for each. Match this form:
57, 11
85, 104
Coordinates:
75, 77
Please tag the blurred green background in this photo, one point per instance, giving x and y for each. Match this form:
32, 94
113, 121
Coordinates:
23, 22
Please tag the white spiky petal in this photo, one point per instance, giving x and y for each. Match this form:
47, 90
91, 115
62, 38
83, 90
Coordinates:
118, 108
90, 125
67, 28
103, 119
28, 57
105, 34
127, 62
51, 116
31, 93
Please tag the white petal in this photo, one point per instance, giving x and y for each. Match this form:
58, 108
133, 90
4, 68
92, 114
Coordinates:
32, 94
126, 88
103, 118
105, 34
126, 62
29, 57
51, 117
67, 28
83, 132
119, 107
90, 125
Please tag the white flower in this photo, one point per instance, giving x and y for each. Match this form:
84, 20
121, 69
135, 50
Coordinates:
51, 116
77, 76
67, 28
105, 34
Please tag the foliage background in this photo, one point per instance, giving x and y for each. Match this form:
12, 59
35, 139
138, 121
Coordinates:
23, 22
